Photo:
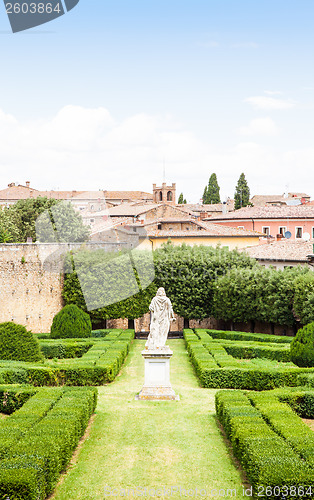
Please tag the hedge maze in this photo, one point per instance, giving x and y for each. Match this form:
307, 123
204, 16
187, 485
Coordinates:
273, 444
44, 424
100, 361
234, 360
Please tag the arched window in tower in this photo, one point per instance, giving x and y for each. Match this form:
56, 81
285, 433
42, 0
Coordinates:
160, 195
169, 196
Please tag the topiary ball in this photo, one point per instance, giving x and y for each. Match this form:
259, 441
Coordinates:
18, 344
302, 346
71, 322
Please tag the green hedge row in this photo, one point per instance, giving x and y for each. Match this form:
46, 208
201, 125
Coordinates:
259, 337
99, 365
64, 349
274, 468
231, 375
37, 441
12, 397
286, 423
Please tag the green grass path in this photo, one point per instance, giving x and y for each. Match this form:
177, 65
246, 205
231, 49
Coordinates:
138, 444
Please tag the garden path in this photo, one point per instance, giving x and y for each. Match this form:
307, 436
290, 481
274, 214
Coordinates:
148, 444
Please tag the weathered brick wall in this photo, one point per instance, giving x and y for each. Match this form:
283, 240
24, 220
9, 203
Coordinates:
29, 294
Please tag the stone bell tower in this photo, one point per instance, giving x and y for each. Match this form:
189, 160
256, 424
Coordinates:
165, 194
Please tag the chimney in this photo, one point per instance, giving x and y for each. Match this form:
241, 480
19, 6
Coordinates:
27, 184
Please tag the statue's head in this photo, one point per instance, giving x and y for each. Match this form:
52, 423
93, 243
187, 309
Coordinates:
161, 292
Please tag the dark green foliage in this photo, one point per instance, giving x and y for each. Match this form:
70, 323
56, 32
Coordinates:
242, 193
71, 321
61, 223
16, 343
94, 272
98, 366
181, 199
302, 346
258, 294
189, 275
258, 337
218, 369
39, 448
271, 442
19, 220
64, 349
304, 297
211, 192
13, 397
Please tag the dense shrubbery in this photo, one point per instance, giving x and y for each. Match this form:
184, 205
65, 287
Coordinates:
16, 343
38, 440
99, 365
218, 369
71, 321
302, 346
202, 282
274, 446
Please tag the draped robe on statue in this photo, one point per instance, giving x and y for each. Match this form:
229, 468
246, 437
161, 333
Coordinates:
161, 314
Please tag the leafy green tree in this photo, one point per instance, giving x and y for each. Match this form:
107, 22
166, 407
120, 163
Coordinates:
303, 304
5, 236
204, 197
212, 195
61, 223
181, 199
242, 193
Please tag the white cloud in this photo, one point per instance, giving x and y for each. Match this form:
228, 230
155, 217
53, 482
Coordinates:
270, 103
87, 149
260, 126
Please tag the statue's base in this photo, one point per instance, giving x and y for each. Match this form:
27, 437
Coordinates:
157, 386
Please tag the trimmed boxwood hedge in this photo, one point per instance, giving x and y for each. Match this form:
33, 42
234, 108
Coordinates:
71, 322
16, 343
98, 366
64, 348
276, 454
216, 369
302, 347
38, 440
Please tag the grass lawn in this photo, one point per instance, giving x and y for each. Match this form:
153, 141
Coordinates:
147, 444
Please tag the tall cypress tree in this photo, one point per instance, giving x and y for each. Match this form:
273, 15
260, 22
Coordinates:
213, 189
181, 199
242, 193
204, 198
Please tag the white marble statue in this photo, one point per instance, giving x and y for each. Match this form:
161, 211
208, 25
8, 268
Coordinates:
161, 315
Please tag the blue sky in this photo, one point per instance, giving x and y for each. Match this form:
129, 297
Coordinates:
105, 95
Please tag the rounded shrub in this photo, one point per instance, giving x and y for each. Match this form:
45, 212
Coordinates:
18, 344
71, 322
302, 347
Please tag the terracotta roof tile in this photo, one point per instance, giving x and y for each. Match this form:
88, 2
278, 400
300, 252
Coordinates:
294, 212
290, 250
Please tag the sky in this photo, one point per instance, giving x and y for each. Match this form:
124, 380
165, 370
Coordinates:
116, 94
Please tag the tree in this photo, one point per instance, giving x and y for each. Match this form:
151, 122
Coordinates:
204, 197
181, 199
302, 347
242, 193
71, 322
17, 222
61, 223
213, 189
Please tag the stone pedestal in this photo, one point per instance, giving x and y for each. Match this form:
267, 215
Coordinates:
157, 384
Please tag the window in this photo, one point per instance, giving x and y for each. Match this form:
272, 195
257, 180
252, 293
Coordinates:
240, 227
169, 196
159, 226
92, 221
282, 230
313, 232
266, 230
298, 232
160, 195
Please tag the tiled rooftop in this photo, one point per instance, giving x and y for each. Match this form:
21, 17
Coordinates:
290, 250
305, 211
